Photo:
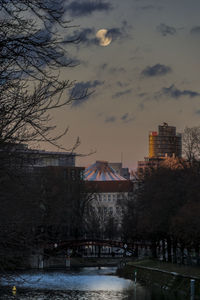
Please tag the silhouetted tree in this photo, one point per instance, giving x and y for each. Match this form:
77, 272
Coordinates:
160, 196
32, 54
191, 144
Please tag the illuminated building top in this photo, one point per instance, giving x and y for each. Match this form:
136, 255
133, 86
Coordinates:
101, 171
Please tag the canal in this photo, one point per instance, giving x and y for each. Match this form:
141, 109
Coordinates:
78, 284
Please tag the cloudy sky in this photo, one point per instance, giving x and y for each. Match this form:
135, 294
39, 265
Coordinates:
148, 74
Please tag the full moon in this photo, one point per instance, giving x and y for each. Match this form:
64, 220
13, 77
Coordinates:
103, 39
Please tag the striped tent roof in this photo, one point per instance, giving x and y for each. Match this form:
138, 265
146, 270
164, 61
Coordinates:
101, 171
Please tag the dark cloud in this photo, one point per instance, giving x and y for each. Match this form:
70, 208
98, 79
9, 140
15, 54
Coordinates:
146, 7
141, 106
110, 119
117, 70
175, 93
141, 95
103, 66
166, 30
111, 70
120, 32
87, 36
81, 88
156, 70
122, 93
126, 118
197, 112
122, 84
195, 30
79, 8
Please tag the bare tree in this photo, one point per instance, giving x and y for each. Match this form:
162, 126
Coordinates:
32, 53
191, 143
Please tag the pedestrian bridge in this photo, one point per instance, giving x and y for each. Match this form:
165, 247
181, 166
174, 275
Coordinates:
97, 243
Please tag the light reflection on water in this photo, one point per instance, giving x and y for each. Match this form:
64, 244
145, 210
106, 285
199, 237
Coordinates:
79, 284
87, 279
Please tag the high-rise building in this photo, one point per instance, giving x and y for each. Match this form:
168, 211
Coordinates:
165, 142
162, 144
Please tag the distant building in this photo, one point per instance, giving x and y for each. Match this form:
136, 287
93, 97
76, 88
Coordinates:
109, 189
147, 165
19, 155
124, 172
163, 144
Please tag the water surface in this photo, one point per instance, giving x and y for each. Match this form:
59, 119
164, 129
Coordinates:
78, 284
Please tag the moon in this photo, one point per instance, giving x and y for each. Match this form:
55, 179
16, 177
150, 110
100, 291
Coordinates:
103, 39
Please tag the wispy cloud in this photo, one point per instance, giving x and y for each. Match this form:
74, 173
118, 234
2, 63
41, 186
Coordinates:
122, 93
119, 33
110, 119
156, 70
112, 70
166, 30
195, 30
79, 8
122, 84
197, 112
126, 118
176, 93
82, 88
87, 36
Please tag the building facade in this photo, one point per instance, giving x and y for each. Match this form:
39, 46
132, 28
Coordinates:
163, 144
19, 155
109, 189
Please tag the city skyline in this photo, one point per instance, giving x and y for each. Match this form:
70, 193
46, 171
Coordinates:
147, 75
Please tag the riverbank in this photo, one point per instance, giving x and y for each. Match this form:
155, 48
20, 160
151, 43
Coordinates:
167, 276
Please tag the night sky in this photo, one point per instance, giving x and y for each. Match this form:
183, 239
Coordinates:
147, 75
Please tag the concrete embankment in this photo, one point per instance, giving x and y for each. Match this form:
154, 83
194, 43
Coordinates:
167, 276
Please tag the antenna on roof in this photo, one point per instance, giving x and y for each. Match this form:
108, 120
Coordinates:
121, 157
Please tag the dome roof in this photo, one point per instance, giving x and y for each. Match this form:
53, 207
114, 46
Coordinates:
101, 171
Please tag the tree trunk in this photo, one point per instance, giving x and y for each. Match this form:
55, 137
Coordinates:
169, 249
197, 254
174, 251
99, 251
182, 254
136, 251
154, 249
163, 250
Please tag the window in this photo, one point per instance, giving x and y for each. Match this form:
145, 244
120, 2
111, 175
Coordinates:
111, 210
118, 210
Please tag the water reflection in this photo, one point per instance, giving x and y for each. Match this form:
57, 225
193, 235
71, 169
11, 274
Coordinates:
82, 284
87, 279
